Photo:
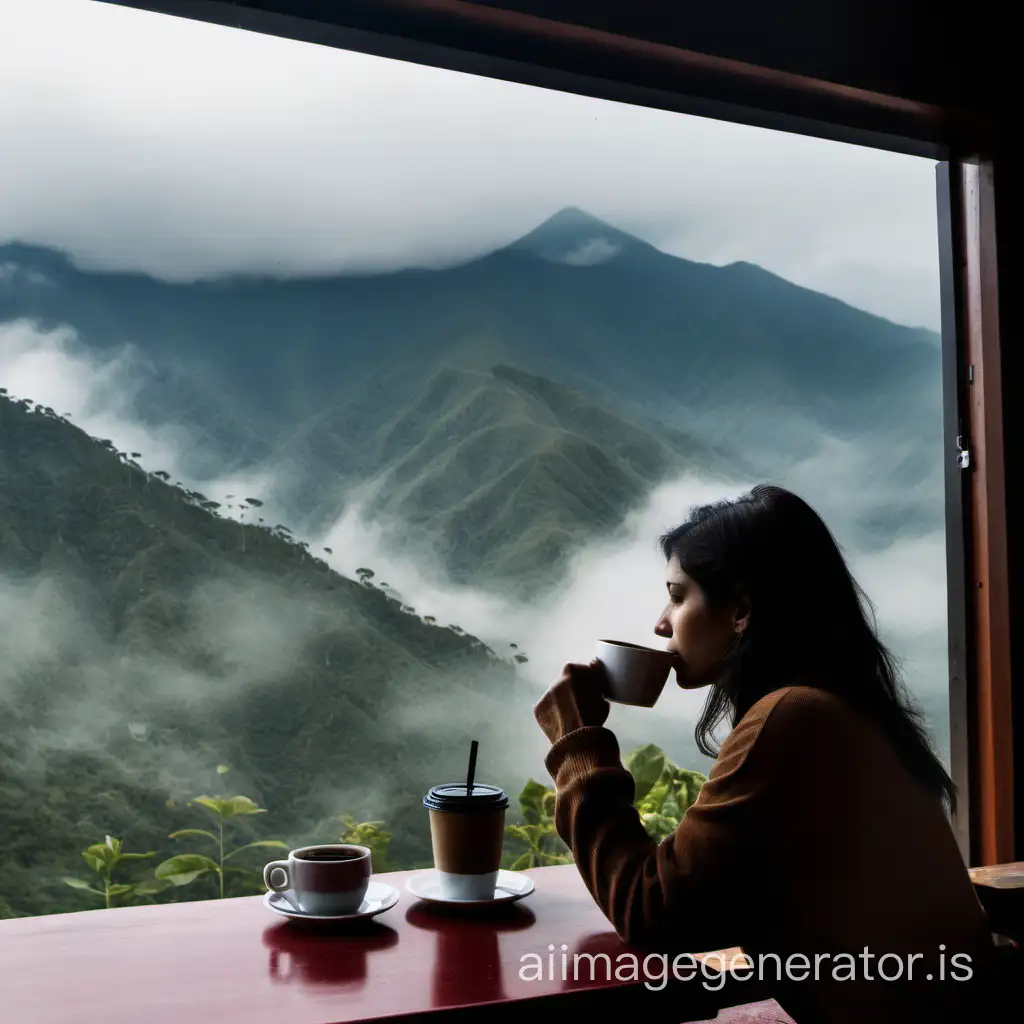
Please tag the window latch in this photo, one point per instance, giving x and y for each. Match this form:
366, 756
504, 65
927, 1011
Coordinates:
963, 454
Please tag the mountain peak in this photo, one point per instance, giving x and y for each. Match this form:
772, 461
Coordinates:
572, 217
575, 237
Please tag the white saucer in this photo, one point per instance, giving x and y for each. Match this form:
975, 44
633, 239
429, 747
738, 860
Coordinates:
379, 897
510, 886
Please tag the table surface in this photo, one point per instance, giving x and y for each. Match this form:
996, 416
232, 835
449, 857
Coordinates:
234, 960
999, 876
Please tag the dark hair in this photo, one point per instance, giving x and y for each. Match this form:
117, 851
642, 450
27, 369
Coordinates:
807, 624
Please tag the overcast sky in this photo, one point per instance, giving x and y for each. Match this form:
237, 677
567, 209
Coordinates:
140, 141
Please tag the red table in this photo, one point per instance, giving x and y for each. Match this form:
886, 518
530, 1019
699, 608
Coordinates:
233, 960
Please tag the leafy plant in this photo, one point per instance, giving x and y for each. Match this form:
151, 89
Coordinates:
663, 793
370, 834
104, 858
544, 845
185, 868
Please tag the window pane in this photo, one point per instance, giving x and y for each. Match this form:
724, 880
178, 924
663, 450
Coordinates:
346, 399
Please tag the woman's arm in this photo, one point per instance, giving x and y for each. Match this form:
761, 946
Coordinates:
687, 889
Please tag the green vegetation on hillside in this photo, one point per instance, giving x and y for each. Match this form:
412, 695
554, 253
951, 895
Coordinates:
147, 640
500, 475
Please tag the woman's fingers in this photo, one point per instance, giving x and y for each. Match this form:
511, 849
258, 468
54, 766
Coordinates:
575, 700
577, 670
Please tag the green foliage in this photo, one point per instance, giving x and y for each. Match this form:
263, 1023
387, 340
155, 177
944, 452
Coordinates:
370, 834
144, 576
104, 859
185, 868
647, 765
537, 831
663, 794
664, 791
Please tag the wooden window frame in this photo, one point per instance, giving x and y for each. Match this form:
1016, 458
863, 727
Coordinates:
502, 43
981, 708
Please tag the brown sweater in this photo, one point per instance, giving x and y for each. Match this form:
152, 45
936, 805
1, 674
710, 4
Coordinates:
809, 837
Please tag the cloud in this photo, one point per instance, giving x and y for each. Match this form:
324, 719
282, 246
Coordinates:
281, 157
72, 689
614, 588
97, 393
907, 581
248, 633
14, 276
597, 250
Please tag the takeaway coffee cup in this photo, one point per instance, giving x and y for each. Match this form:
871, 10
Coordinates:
328, 879
467, 829
634, 675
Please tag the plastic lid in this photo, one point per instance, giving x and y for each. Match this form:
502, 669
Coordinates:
452, 796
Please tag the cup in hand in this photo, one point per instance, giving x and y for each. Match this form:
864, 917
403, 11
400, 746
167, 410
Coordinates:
467, 829
634, 675
328, 879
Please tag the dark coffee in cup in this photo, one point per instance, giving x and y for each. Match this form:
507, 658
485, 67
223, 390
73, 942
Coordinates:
467, 831
330, 878
328, 855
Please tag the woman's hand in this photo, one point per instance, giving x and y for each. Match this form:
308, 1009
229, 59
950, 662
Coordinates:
574, 702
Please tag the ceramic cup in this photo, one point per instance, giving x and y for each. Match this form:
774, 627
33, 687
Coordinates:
326, 879
634, 675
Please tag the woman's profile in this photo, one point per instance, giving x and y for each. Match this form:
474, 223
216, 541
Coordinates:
821, 842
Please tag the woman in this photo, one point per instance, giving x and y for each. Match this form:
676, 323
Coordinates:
821, 831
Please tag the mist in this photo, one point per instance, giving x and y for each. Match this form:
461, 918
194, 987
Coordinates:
98, 394
614, 587
98, 690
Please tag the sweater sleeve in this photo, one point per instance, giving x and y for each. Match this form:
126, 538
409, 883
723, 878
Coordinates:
689, 888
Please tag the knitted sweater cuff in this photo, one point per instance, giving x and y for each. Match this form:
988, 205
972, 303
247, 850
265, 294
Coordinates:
581, 752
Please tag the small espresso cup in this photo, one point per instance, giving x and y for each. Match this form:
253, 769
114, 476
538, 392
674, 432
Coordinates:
634, 675
327, 879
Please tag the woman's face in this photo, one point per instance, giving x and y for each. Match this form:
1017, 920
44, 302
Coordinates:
700, 636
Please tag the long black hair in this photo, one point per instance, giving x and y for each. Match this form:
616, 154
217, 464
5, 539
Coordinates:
808, 620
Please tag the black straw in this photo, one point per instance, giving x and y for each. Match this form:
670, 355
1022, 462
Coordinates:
472, 767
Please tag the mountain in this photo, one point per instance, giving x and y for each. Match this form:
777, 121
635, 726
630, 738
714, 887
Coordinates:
734, 353
575, 237
498, 474
159, 640
665, 335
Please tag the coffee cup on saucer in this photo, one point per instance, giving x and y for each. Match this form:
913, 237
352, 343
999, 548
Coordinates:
329, 879
467, 830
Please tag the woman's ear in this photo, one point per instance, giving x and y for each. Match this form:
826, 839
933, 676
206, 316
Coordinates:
741, 617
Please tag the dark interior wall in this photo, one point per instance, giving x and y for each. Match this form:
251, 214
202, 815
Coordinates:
671, 54
906, 48
902, 47
1008, 174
